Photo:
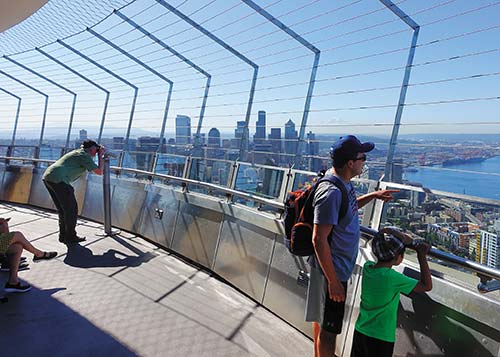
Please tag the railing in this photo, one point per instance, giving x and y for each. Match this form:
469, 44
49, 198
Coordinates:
485, 273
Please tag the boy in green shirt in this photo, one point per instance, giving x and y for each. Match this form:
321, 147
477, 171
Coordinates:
375, 329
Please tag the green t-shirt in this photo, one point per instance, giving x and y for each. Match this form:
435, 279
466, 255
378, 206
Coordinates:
69, 167
380, 289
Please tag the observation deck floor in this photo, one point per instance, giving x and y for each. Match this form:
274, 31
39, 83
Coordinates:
123, 296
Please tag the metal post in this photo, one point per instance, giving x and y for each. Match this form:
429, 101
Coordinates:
72, 113
16, 120
45, 108
148, 68
216, 39
312, 79
106, 193
185, 60
106, 101
121, 79
402, 95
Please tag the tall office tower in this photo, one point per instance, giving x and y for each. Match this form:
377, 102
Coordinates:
83, 135
214, 138
238, 135
397, 170
261, 147
118, 142
489, 248
182, 130
291, 142
313, 152
276, 146
214, 145
260, 128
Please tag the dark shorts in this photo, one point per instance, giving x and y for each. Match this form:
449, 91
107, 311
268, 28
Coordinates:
320, 308
365, 346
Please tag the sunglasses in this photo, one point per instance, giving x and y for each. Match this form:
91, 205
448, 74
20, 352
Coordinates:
362, 158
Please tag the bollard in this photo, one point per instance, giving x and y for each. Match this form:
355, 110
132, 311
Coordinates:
106, 192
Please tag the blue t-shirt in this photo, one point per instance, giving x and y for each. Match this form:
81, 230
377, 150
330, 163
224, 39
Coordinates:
344, 238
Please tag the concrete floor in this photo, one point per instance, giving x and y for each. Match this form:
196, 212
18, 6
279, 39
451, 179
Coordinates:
123, 296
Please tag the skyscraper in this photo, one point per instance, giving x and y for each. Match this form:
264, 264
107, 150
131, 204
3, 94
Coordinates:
214, 137
313, 152
238, 135
182, 130
260, 128
290, 140
214, 145
275, 141
83, 135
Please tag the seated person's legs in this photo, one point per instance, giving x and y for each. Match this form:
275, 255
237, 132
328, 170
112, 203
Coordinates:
13, 284
38, 254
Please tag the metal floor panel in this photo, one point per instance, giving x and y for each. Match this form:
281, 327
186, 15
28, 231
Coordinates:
125, 297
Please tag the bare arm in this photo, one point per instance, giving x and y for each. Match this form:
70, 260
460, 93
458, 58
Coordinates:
322, 249
100, 159
425, 283
385, 195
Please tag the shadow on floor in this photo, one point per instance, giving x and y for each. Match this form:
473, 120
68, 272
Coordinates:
82, 257
37, 324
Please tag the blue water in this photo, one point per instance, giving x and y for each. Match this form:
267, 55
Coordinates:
478, 183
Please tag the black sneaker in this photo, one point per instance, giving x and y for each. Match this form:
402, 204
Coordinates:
75, 240
17, 288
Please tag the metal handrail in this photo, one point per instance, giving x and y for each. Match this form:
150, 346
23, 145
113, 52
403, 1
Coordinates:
207, 185
481, 270
451, 258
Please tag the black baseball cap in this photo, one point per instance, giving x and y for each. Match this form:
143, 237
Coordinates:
347, 148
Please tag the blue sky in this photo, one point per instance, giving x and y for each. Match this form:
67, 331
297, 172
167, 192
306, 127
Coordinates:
356, 39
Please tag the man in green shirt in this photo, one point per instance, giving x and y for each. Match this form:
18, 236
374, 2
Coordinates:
375, 330
58, 178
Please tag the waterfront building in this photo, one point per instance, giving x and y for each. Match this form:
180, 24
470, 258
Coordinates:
489, 249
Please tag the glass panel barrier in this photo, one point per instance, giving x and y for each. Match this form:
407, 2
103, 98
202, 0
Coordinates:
211, 171
137, 160
49, 153
22, 151
468, 228
263, 181
169, 164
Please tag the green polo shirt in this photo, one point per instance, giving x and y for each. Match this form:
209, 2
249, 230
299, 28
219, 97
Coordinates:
380, 289
70, 167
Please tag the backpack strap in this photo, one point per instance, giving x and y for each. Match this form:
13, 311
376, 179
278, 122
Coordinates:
334, 180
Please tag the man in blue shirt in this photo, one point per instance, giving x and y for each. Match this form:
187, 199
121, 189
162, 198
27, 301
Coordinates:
333, 262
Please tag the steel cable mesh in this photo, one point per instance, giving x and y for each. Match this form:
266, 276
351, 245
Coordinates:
57, 19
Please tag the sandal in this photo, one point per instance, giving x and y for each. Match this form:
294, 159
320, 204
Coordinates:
45, 256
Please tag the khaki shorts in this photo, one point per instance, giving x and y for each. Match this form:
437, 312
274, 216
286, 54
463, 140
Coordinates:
320, 308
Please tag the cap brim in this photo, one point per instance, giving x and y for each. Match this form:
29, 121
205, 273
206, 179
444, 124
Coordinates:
368, 146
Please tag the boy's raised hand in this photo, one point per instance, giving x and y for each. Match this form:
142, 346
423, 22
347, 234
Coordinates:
423, 248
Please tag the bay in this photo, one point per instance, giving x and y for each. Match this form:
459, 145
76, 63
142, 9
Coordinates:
483, 181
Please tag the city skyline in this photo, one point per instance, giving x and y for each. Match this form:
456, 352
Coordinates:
363, 47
